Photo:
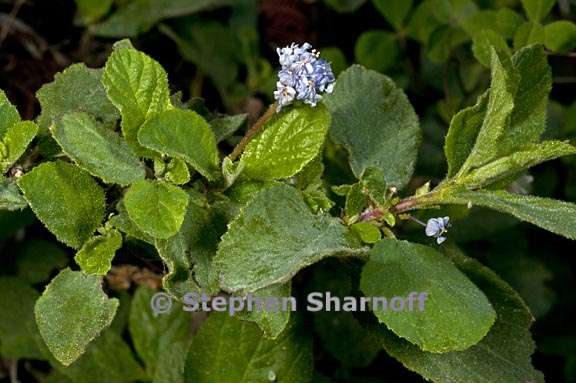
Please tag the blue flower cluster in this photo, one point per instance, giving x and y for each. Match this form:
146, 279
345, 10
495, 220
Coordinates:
304, 75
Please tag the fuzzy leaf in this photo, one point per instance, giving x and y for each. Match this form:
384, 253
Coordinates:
272, 323
183, 134
374, 120
484, 41
289, 141
503, 356
550, 214
188, 254
529, 33
537, 9
157, 208
66, 199
227, 349
76, 89
11, 198
515, 163
138, 86
456, 314
9, 115
97, 149
16, 141
560, 36
462, 135
71, 312
273, 238
515, 110
96, 255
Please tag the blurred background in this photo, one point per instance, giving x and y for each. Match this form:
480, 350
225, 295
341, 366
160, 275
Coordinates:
221, 56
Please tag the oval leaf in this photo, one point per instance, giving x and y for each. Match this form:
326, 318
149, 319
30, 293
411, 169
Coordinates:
157, 208
455, 314
289, 141
183, 134
71, 312
97, 149
374, 120
66, 199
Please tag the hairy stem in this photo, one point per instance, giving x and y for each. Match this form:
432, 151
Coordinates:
252, 132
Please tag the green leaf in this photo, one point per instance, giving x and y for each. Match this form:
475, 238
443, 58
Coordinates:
122, 222
92, 10
560, 36
227, 349
516, 109
368, 232
374, 120
18, 332
529, 33
273, 238
107, 359
272, 323
498, 110
462, 135
71, 312
38, 259
96, 255
377, 50
76, 89
177, 172
10, 197
536, 10
289, 141
356, 200
66, 199
138, 86
97, 149
515, 163
224, 127
503, 356
482, 44
157, 208
136, 17
16, 141
455, 315
550, 214
508, 22
394, 12
188, 255
183, 134
162, 341
9, 115
345, 6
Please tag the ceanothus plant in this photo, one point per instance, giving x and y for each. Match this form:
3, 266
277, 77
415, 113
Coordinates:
113, 156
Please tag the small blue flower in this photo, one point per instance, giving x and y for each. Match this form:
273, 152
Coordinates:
436, 227
303, 76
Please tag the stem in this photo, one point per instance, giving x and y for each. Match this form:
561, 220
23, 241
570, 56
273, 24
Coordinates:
252, 132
